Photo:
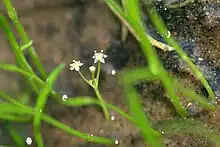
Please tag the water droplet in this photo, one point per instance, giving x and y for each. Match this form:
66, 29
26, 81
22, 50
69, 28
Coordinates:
116, 142
28, 140
113, 72
112, 118
64, 97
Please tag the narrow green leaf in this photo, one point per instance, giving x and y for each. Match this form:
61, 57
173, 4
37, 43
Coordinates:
155, 67
133, 10
26, 46
131, 76
30, 77
11, 38
24, 37
19, 141
190, 94
22, 109
160, 26
41, 100
15, 118
9, 108
140, 118
85, 101
9, 99
187, 126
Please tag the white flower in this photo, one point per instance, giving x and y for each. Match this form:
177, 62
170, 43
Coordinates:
99, 57
75, 65
92, 68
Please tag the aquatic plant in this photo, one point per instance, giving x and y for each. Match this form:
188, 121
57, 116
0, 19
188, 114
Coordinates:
13, 110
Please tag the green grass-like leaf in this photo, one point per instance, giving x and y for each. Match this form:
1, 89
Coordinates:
155, 67
85, 101
140, 118
187, 126
19, 141
24, 37
160, 26
11, 38
31, 77
21, 109
41, 100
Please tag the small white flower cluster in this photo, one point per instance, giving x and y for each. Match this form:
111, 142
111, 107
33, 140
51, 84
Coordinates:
75, 65
98, 57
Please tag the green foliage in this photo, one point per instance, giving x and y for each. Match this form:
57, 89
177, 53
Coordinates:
14, 134
24, 37
131, 17
19, 109
188, 127
15, 111
41, 100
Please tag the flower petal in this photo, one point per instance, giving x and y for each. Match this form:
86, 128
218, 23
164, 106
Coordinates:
77, 68
102, 60
95, 61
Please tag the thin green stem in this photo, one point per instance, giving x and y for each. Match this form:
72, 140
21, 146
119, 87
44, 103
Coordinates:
24, 37
9, 99
97, 92
82, 76
93, 75
98, 73
16, 49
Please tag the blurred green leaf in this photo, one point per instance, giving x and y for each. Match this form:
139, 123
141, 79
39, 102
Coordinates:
19, 141
160, 26
187, 126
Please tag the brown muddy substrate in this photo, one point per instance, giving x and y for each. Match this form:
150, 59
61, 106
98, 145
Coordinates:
63, 31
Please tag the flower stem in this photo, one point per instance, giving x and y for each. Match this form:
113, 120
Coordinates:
84, 78
97, 92
98, 74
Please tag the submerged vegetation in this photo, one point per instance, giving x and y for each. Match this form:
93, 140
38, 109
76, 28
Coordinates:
130, 14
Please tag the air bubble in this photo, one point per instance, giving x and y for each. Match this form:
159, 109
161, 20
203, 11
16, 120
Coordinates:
112, 118
116, 142
29, 140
